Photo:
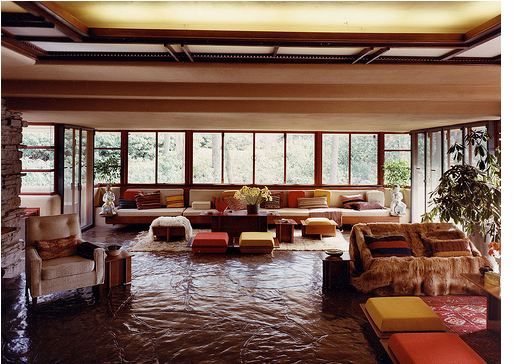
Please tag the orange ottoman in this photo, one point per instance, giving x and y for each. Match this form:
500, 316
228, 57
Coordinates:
430, 348
210, 242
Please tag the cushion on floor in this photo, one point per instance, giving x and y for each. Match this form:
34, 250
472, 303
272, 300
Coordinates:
318, 221
432, 347
210, 242
256, 239
401, 314
67, 266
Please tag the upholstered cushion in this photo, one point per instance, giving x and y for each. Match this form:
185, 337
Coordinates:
235, 204
292, 198
131, 194
432, 347
66, 266
401, 314
375, 196
193, 212
312, 202
175, 201
127, 204
57, 248
292, 212
150, 200
448, 247
388, 246
362, 205
318, 221
211, 239
201, 205
444, 234
345, 199
161, 211
323, 193
220, 204
254, 239
275, 202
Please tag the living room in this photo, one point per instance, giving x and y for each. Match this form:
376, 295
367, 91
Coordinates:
251, 181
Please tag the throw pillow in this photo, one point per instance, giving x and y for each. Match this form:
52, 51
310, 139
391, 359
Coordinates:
444, 234
220, 204
99, 194
292, 198
323, 193
312, 203
127, 204
145, 201
87, 250
361, 205
274, 203
351, 198
449, 247
235, 204
388, 246
131, 194
57, 248
175, 201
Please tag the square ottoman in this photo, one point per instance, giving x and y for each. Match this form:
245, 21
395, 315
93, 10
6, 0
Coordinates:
256, 242
210, 242
431, 347
318, 226
401, 314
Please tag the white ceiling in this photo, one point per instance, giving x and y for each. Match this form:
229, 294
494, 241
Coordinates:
99, 47
487, 49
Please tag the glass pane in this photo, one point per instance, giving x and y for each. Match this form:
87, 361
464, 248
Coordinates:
401, 160
37, 182
171, 158
364, 159
418, 185
472, 159
38, 135
269, 158
107, 166
37, 159
396, 141
71, 163
434, 167
300, 159
86, 191
107, 139
207, 158
141, 157
335, 159
451, 137
238, 158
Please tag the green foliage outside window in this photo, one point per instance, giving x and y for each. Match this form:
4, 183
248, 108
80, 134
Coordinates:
397, 173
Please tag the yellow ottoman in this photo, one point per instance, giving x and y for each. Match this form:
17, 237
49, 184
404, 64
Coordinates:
401, 314
318, 226
256, 242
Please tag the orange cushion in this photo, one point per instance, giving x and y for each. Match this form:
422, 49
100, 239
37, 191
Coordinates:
292, 198
211, 239
130, 194
433, 347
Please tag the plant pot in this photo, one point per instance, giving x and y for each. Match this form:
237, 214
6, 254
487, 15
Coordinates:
252, 209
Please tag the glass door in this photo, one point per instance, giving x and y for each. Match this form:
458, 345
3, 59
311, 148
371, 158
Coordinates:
418, 176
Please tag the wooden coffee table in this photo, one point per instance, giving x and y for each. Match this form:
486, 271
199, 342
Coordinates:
285, 230
237, 222
493, 300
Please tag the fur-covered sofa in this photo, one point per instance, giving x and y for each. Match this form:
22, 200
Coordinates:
414, 275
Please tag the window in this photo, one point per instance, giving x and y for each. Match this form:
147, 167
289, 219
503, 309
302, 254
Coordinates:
336, 159
207, 157
397, 150
269, 158
141, 157
300, 159
363, 159
238, 158
107, 157
171, 158
38, 159
451, 136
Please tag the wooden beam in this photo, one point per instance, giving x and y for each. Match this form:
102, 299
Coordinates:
23, 48
53, 13
452, 54
24, 20
377, 54
362, 54
275, 51
172, 52
188, 53
490, 26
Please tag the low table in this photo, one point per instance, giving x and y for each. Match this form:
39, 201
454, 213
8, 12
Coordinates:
237, 222
336, 272
285, 230
118, 270
493, 300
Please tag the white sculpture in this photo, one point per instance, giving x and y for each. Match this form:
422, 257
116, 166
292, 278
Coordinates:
108, 208
398, 207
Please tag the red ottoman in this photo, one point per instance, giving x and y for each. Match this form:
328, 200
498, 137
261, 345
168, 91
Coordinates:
430, 348
210, 243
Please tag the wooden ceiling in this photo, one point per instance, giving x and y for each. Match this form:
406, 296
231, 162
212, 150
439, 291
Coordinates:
407, 32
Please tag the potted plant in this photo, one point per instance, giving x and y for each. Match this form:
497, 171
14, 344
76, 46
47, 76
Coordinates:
253, 197
470, 195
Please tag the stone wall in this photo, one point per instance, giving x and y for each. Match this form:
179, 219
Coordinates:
12, 247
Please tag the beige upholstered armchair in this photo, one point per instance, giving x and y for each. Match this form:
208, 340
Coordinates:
58, 274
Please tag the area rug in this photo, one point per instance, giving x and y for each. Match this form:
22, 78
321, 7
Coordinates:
143, 242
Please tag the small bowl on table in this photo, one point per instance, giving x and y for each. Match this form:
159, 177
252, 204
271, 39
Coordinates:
113, 250
334, 252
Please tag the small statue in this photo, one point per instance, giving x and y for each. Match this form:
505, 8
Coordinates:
398, 207
108, 208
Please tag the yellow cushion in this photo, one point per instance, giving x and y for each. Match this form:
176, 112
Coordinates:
175, 201
256, 239
401, 314
318, 221
323, 193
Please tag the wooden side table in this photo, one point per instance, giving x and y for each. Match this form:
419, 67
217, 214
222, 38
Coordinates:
285, 230
118, 270
493, 300
336, 273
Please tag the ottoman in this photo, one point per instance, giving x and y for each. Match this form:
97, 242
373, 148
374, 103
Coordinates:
210, 242
256, 242
318, 226
401, 314
428, 348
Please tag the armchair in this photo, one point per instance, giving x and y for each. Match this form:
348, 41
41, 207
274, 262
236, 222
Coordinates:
58, 274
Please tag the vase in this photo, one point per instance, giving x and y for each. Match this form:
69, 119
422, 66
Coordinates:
252, 209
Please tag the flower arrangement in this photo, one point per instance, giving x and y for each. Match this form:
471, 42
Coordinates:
253, 195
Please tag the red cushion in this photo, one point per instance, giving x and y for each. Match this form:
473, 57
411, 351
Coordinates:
130, 194
220, 204
433, 347
210, 242
292, 198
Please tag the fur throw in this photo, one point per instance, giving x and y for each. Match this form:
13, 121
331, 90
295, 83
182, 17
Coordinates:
416, 275
172, 221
